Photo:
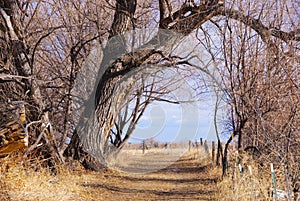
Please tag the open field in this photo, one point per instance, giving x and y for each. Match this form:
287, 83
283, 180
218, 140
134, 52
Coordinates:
190, 177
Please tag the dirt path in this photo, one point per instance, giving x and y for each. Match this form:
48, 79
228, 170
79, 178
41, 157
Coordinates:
189, 178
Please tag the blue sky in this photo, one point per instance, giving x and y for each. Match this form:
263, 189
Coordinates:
168, 122
172, 122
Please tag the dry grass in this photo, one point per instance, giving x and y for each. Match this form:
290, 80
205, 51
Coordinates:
243, 187
182, 175
190, 178
258, 186
22, 182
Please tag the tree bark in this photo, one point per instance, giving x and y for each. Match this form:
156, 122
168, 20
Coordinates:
102, 98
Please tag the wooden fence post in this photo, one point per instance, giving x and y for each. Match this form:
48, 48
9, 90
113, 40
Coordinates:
144, 146
206, 147
213, 150
251, 182
274, 182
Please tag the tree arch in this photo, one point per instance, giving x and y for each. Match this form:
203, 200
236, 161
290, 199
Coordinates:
183, 21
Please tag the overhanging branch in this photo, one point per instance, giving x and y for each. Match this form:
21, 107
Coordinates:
264, 31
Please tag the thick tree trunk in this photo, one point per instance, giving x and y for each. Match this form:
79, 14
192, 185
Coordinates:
88, 142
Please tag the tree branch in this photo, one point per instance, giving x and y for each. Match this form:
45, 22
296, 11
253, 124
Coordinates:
259, 27
9, 25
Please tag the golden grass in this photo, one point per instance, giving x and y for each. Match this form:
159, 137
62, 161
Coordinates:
191, 177
21, 182
27, 181
244, 187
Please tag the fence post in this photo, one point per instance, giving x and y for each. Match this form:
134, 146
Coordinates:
213, 150
206, 147
241, 169
197, 145
274, 182
144, 146
251, 181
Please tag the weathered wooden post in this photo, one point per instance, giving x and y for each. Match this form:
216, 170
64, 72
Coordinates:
213, 151
274, 182
197, 144
251, 182
206, 147
144, 146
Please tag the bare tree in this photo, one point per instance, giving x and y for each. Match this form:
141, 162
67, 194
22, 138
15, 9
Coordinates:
254, 47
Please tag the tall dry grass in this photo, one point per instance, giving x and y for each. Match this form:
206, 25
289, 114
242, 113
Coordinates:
242, 186
27, 180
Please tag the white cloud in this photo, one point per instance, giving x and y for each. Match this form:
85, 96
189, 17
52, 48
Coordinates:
170, 121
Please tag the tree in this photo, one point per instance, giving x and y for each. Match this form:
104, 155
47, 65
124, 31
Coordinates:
181, 22
17, 68
40, 58
259, 74
253, 46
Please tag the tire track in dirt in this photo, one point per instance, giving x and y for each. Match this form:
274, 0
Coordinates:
189, 178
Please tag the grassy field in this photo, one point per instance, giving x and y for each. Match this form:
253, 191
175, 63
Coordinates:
155, 175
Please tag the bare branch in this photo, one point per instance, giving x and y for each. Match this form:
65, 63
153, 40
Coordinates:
257, 25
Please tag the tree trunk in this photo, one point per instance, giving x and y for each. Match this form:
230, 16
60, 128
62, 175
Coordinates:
89, 140
219, 153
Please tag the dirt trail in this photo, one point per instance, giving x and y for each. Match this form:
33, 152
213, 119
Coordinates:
189, 178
